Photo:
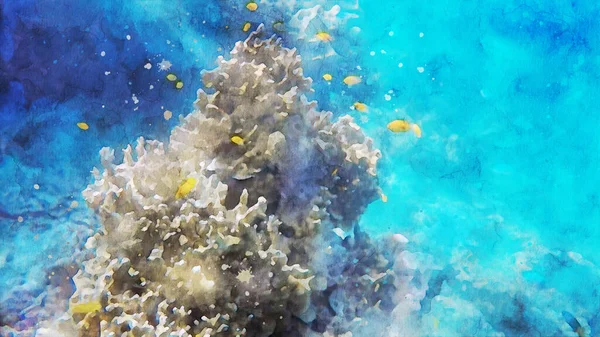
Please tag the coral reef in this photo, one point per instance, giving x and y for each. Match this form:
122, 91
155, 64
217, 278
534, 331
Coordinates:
244, 224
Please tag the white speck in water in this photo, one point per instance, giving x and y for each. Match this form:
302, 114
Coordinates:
247, 293
135, 99
103, 106
103, 53
420, 69
151, 87
400, 65
168, 41
20, 219
148, 66
164, 65
387, 97
128, 37
107, 73
421, 34
391, 33
358, 67
383, 51
372, 53
36, 186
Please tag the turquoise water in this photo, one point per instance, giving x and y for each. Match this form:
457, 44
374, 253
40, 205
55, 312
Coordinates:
498, 198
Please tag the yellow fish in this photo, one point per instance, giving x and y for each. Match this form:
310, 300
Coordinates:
323, 36
83, 126
334, 171
327, 77
416, 129
237, 140
171, 77
85, 308
384, 197
247, 26
352, 80
400, 125
252, 6
362, 107
185, 188
179, 84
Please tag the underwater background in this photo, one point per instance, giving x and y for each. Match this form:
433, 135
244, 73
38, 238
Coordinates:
498, 198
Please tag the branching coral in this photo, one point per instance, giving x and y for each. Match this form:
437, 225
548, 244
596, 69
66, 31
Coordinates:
229, 229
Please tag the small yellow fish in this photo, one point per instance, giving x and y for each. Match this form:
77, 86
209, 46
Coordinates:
327, 77
179, 84
83, 126
436, 323
352, 80
335, 171
168, 114
85, 308
362, 107
384, 197
252, 6
247, 26
416, 129
323, 36
171, 77
185, 188
237, 140
399, 125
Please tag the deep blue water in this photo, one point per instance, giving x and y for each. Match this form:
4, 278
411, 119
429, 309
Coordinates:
499, 198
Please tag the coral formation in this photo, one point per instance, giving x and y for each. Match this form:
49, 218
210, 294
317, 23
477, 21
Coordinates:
244, 224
